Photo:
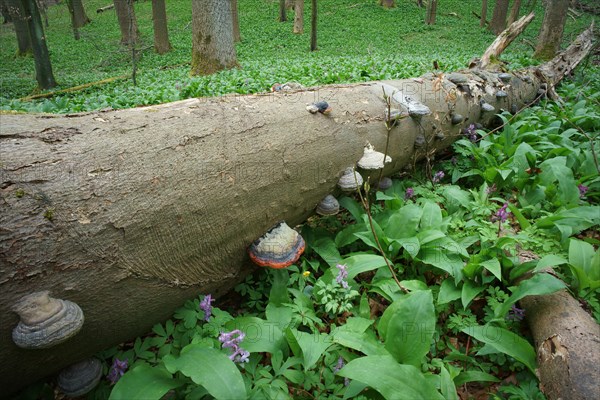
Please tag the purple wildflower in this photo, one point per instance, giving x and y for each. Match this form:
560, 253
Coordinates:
342, 275
340, 364
491, 189
117, 370
232, 340
454, 160
501, 215
582, 190
471, 132
206, 306
515, 313
438, 177
410, 192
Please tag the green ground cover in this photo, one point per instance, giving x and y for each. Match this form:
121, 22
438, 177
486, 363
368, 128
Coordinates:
358, 41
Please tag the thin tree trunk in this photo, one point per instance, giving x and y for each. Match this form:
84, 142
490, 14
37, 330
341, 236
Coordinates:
498, 23
212, 37
237, 37
5, 14
387, 3
161, 31
282, 13
551, 33
19, 20
313, 26
43, 67
514, 12
299, 16
431, 12
73, 24
483, 19
81, 19
124, 10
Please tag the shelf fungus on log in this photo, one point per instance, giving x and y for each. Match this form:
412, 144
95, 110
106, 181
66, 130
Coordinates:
328, 206
372, 159
45, 321
350, 180
385, 183
415, 108
279, 248
80, 378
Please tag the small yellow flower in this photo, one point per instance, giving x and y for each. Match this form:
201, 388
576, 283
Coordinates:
306, 274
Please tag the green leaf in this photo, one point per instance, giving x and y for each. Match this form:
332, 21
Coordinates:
448, 292
363, 262
361, 341
411, 245
404, 223
144, 382
580, 254
447, 385
407, 327
449, 262
326, 248
493, 265
550, 260
538, 284
506, 342
211, 369
432, 216
353, 207
394, 381
308, 346
279, 293
474, 376
260, 335
469, 292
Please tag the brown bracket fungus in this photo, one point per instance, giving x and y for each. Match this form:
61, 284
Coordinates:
372, 159
415, 108
504, 77
385, 183
486, 107
322, 106
328, 206
350, 180
280, 247
457, 119
45, 321
80, 378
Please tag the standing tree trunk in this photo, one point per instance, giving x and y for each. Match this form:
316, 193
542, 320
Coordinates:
498, 23
387, 3
78, 16
4, 11
212, 42
161, 31
483, 19
313, 26
299, 17
19, 20
237, 37
126, 16
282, 15
551, 33
43, 67
514, 12
431, 12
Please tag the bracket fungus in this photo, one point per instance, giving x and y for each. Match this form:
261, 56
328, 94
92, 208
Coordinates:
45, 321
504, 77
279, 248
80, 378
372, 159
457, 119
322, 106
457, 78
385, 183
415, 108
350, 180
486, 107
501, 94
328, 206
420, 141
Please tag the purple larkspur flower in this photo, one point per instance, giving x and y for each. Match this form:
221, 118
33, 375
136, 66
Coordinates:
232, 340
340, 364
582, 190
438, 177
206, 306
515, 313
502, 214
342, 275
454, 160
491, 189
471, 132
117, 370
410, 192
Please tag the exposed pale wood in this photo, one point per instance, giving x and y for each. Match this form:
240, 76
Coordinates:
504, 39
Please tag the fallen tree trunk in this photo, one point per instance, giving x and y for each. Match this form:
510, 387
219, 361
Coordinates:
129, 213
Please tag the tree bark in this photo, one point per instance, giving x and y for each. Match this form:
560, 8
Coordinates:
161, 31
237, 37
431, 12
212, 42
128, 213
282, 13
483, 19
551, 33
387, 3
313, 25
4, 11
498, 22
19, 20
299, 17
514, 12
127, 21
80, 19
41, 56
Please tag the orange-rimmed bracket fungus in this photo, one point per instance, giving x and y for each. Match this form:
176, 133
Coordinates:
279, 248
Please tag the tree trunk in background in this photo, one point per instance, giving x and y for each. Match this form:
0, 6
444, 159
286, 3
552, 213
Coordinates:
4, 11
212, 37
81, 19
129, 213
282, 14
387, 3
237, 37
498, 23
514, 12
551, 33
19, 20
431, 12
299, 16
126, 16
161, 30
313, 25
483, 19
43, 67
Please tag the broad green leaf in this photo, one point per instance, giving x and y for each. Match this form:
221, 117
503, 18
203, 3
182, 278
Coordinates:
144, 382
308, 346
394, 381
448, 292
550, 260
326, 248
538, 284
432, 216
361, 341
474, 376
411, 245
353, 207
405, 222
493, 265
363, 262
447, 386
260, 335
449, 262
456, 198
580, 254
280, 316
409, 326
211, 369
429, 235
347, 235
506, 342
469, 292
279, 293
